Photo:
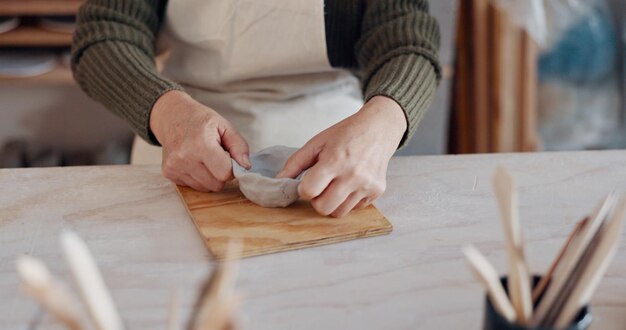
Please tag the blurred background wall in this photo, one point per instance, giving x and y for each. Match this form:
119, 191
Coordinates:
54, 113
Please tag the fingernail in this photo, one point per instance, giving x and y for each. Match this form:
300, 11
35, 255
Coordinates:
246, 160
280, 175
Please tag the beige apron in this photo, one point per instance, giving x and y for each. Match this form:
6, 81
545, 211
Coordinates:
261, 64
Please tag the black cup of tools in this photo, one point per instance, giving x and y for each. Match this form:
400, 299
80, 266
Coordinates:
494, 321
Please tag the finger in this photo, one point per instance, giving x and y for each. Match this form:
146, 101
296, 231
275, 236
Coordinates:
348, 205
365, 202
237, 147
336, 193
218, 162
302, 159
178, 182
315, 181
191, 182
203, 176
172, 175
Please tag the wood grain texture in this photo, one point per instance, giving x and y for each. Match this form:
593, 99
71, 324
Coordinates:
222, 216
497, 77
480, 75
34, 36
39, 7
461, 133
529, 136
504, 81
415, 278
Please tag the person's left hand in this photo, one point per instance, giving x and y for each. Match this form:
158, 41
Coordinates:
348, 162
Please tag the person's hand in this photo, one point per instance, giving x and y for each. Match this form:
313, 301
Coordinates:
348, 162
197, 142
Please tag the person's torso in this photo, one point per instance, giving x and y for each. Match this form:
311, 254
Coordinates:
262, 64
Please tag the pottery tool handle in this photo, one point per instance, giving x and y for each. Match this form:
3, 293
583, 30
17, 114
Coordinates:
39, 283
218, 302
90, 283
545, 279
563, 274
486, 274
594, 268
519, 278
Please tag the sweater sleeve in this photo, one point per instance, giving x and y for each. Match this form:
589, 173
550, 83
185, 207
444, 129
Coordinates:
397, 53
113, 58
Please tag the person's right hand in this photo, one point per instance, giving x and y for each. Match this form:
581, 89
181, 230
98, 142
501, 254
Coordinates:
198, 143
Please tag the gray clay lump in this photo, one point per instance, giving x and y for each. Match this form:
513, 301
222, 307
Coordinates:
259, 184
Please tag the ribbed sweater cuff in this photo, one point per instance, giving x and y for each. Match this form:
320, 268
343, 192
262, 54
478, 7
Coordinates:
409, 80
125, 80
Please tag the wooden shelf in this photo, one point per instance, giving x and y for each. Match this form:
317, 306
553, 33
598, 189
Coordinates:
34, 36
39, 7
60, 76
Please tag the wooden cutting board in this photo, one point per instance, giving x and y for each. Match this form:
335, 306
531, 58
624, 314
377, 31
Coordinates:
228, 214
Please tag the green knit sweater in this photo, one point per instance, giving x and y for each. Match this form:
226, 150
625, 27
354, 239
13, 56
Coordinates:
391, 43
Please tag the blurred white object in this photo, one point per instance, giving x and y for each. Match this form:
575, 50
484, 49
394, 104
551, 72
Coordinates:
26, 63
579, 117
90, 283
531, 15
8, 23
62, 24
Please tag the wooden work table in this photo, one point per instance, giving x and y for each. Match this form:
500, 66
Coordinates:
415, 278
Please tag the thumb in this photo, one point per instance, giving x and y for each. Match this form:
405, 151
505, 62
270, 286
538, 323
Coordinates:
237, 147
299, 161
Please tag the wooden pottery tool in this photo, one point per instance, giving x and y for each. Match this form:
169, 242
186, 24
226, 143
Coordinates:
220, 217
594, 266
218, 302
487, 275
569, 284
90, 283
214, 309
570, 259
545, 279
39, 284
561, 296
519, 279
